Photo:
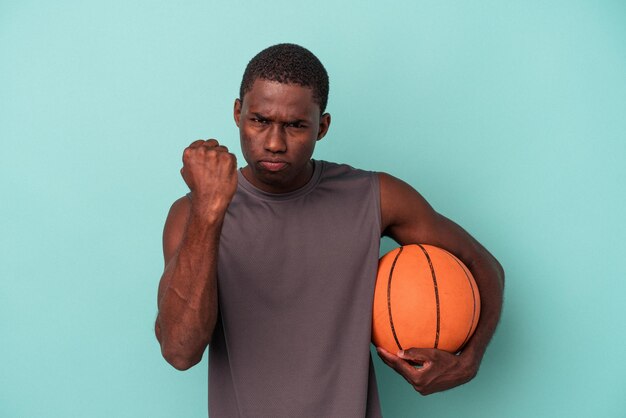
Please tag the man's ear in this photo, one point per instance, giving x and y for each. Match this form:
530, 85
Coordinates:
324, 125
237, 111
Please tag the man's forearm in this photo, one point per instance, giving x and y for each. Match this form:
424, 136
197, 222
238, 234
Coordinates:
188, 292
489, 277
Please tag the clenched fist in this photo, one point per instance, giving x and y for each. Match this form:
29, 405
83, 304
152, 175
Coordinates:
210, 171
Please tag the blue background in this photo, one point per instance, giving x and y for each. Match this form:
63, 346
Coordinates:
509, 117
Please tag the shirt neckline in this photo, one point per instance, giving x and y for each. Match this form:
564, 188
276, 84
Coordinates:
310, 185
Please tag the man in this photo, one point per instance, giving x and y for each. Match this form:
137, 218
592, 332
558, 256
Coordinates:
274, 265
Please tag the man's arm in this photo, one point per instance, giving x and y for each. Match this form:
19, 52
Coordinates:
187, 297
409, 219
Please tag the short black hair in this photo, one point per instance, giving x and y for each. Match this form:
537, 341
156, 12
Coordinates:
288, 64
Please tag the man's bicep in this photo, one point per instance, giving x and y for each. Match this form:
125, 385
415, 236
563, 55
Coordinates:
409, 219
406, 215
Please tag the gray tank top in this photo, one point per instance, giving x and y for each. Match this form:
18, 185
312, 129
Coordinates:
296, 276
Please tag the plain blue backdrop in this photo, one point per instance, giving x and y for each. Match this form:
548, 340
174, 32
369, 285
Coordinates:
509, 117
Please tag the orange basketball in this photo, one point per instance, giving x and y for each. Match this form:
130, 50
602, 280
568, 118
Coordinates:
425, 297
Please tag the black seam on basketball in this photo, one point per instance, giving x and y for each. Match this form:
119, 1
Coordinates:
393, 330
469, 281
432, 272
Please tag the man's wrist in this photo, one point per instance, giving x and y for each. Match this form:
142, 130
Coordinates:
207, 211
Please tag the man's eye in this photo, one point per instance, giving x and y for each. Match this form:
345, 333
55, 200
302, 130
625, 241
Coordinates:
296, 125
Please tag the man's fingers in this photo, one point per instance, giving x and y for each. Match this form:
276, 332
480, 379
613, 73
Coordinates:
200, 146
428, 370
418, 355
384, 356
212, 144
209, 143
197, 143
397, 363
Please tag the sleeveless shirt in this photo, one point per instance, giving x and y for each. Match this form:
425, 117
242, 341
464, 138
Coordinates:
296, 275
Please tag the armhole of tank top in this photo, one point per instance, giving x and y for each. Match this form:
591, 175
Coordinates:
376, 196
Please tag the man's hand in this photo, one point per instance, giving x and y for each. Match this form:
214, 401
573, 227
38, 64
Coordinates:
210, 171
430, 370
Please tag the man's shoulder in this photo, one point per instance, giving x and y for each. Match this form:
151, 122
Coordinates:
331, 169
344, 178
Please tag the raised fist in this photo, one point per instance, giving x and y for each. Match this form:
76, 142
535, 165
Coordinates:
210, 171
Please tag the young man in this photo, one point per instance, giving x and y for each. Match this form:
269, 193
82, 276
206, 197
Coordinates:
274, 264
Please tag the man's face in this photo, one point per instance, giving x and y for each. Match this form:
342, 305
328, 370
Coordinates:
279, 125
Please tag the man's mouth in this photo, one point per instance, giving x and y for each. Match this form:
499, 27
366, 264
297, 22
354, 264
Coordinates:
273, 165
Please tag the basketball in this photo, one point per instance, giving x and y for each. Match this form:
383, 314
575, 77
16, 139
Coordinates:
424, 297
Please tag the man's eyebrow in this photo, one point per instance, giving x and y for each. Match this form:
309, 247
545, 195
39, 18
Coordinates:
260, 116
294, 121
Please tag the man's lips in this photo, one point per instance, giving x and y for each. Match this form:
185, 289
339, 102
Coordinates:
272, 165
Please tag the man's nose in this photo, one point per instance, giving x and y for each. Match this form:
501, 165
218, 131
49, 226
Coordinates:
276, 140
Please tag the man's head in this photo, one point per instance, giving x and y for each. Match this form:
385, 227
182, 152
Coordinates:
280, 115
288, 64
